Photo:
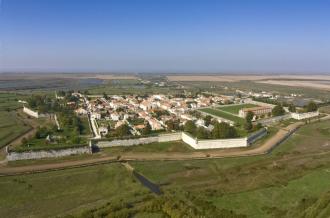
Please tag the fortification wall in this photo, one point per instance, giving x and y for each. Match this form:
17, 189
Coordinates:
29, 155
146, 140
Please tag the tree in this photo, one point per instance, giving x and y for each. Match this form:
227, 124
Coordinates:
278, 111
172, 125
248, 126
201, 133
223, 130
147, 129
190, 127
249, 116
292, 108
122, 130
207, 120
312, 106
259, 126
216, 130
42, 132
24, 141
105, 96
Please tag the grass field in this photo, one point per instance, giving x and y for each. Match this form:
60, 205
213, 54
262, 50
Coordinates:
10, 127
236, 108
286, 183
224, 115
10, 124
263, 186
55, 193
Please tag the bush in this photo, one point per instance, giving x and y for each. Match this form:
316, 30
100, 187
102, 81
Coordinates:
278, 111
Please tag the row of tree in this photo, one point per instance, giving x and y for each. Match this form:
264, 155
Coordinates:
219, 131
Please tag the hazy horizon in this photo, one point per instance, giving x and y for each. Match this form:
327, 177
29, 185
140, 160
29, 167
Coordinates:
212, 37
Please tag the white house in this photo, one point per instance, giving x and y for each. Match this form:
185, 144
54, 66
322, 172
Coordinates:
115, 116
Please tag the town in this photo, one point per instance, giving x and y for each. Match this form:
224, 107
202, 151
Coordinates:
199, 118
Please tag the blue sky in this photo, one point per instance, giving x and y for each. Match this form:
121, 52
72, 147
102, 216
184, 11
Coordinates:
165, 36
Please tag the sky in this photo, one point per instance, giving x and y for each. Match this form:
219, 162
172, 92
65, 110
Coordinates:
165, 36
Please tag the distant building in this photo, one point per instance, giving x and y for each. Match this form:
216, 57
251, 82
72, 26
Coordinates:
301, 116
255, 110
96, 115
155, 125
81, 111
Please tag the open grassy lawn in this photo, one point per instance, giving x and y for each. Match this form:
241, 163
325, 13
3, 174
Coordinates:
55, 193
234, 109
223, 115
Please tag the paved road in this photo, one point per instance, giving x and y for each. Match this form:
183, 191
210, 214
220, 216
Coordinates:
265, 148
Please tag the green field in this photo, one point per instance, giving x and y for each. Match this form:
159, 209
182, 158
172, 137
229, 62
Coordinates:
10, 124
292, 181
263, 186
236, 108
56, 193
224, 115
10, 127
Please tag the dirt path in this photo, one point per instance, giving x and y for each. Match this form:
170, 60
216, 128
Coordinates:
265, 148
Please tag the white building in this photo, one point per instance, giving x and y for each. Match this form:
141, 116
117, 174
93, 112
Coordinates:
115, 116
81, 111
103, 130
96, 115
31, 112
146, 105
301, 116
255, 110
155, 124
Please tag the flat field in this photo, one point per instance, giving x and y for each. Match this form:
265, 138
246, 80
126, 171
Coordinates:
235, 78
224, 115
11, 125
235, 108
56, 193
